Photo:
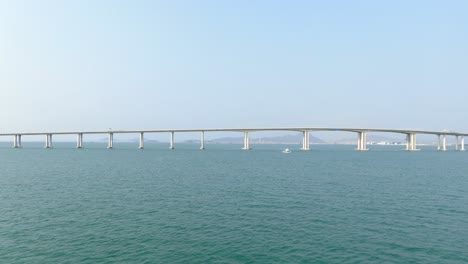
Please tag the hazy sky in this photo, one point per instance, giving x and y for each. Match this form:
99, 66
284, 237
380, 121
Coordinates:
83, 65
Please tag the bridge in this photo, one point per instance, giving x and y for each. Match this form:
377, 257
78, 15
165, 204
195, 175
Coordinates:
360, 132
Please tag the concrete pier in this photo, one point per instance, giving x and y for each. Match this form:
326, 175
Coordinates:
79, 140
142, 141
305, 140
246, 141
110, 143
438, 142
411, 142
456, 143
202, 140
444, 143
171, 146
362, 141
48, 141
17, 141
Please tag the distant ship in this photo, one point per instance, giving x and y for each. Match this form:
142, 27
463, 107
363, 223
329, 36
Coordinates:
286, 150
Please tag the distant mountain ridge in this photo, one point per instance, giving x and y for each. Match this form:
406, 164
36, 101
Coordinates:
370, 138
286, 139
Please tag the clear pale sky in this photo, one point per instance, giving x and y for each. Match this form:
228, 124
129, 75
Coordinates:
83, 65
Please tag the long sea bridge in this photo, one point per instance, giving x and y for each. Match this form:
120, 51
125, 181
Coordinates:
360, 132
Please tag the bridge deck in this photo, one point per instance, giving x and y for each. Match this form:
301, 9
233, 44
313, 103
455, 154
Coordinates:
384, 130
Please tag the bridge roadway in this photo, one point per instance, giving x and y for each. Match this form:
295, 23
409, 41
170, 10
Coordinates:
361, 135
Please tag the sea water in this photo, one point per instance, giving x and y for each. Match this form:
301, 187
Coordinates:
224, 205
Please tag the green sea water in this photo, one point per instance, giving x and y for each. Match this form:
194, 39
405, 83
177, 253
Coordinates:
224, 205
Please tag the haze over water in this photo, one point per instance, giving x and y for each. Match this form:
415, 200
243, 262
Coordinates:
224, 205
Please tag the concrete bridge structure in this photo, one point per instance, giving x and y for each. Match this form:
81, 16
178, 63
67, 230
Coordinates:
360, 132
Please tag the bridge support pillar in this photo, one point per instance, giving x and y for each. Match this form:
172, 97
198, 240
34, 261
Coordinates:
438, 142
411, 142
79, 141
246, 141
305, 140
456, 143
17, 141
462, 145
48, 141
444, 143
362, 141
142, 141
171, 144
202, 140
110, 143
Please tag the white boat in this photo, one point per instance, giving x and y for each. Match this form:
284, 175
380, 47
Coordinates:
286, 150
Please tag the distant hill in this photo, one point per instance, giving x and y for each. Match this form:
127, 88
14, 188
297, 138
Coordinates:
131, 140
370, 138
287, 139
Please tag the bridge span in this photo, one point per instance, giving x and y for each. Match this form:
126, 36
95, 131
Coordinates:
360, 132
